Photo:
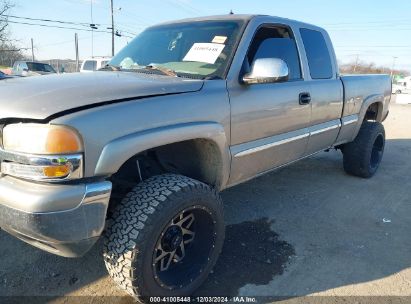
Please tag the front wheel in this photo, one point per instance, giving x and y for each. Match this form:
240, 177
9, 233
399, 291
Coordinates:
363, 156
164, 237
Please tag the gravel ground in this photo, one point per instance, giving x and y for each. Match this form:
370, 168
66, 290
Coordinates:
308, 229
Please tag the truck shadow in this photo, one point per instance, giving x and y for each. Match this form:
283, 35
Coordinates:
252, 254
306, 228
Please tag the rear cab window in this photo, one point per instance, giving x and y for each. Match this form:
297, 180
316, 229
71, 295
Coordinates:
318, 54
90, 65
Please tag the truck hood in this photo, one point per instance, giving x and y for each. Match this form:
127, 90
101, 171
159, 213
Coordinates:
45, 96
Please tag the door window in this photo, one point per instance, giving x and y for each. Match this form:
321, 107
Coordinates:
275, 42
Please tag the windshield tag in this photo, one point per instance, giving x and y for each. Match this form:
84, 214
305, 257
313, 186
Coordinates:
219, 39
204, 52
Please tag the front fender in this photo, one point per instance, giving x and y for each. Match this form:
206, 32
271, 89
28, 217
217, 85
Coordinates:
118, 151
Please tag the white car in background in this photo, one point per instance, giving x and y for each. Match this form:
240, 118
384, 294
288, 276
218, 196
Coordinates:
94, 64
400, 89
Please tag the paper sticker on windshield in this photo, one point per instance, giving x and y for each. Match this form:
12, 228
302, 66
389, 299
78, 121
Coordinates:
219, 39
204, 52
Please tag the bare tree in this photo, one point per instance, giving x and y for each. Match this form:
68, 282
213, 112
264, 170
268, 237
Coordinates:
5, 6
362, 67
9, 52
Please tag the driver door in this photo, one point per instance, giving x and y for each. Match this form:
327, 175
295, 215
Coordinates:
269, 123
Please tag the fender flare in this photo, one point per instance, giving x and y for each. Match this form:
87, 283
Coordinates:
372, 99
118, 151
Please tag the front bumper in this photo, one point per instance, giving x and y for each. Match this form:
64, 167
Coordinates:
62, 219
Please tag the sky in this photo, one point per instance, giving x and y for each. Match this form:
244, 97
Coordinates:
375, 31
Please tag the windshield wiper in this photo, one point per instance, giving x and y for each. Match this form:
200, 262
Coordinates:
164, 70
110, 67
213, 77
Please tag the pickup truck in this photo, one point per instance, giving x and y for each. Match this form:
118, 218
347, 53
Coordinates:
138, 152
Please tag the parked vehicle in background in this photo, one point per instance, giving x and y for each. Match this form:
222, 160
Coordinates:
398, 89
94, 64
406, 82
138, 151
402, 86
32, 68
4, 76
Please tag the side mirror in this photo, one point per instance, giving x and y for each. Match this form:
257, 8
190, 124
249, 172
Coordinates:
267, 70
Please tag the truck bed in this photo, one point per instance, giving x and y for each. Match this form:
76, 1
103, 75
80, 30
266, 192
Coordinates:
359, 88
360, 91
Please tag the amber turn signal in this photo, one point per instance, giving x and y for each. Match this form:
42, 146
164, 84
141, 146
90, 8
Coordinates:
57, 171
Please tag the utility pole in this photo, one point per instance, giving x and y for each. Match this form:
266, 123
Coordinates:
112, 28
32, 50
76, 46
393, 65
356, 63
92, 28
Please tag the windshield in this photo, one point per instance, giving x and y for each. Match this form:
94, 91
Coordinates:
196, 49
40, 67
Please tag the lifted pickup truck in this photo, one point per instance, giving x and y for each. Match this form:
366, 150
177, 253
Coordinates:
138, 152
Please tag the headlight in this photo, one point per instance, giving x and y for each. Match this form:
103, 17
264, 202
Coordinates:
41, 139
41, 152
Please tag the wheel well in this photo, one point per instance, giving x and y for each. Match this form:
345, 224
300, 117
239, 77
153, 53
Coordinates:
198, 158
373, 112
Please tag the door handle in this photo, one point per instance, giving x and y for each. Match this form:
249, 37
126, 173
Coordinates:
305, 98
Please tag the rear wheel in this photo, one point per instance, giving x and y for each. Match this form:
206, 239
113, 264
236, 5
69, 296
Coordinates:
164, 237
363, 156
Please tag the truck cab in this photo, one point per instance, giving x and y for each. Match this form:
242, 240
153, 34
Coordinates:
294, 117
93, 64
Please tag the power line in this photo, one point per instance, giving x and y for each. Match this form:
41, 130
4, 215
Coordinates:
373, 46
368, 22
184, 6
65, 22
391, 26
124, 13
67, 28
367, 29
132, 26
53, 26
131, 33
61, 22
82, 2
49, 20
64, 42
